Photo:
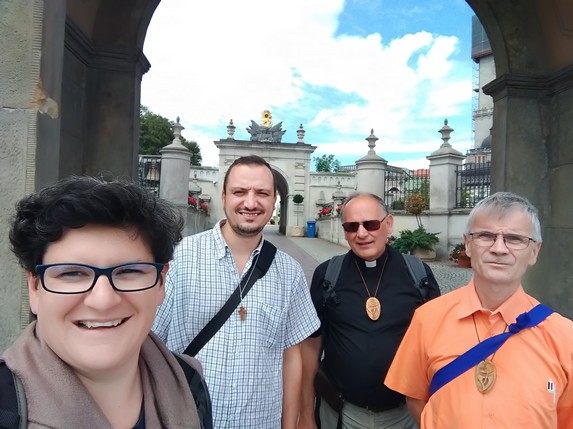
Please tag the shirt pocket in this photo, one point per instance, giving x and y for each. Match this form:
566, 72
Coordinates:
268, 321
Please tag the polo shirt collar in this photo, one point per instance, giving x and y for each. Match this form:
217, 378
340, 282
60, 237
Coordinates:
515, 305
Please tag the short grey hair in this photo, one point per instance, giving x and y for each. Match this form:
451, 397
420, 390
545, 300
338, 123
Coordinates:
502, 203
364, 194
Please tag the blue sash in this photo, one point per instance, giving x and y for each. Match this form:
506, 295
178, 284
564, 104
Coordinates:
487, 347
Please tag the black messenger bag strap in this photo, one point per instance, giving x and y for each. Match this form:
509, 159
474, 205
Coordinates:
258, 270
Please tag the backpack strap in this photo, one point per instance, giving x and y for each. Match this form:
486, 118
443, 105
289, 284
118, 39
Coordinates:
418, 274
329, 296
330, 279
13, 407
199, 391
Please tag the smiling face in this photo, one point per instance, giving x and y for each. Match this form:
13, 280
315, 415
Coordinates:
249, 199
368, 245
497, 265
119, 321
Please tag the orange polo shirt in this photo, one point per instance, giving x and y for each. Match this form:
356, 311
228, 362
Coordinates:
534, 386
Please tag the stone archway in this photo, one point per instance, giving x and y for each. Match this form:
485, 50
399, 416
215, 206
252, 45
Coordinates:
69, 100
291, 166
532, 43
282, 190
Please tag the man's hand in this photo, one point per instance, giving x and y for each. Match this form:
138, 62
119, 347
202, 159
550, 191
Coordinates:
292, 374
311, 349
415, 406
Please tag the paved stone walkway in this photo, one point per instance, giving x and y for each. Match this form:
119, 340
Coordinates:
310, 252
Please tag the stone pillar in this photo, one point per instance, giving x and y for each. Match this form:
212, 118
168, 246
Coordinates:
443, 165
175, 168
371, 170
23, 99
532, 155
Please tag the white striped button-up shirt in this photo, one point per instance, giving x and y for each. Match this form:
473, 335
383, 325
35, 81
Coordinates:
243, 361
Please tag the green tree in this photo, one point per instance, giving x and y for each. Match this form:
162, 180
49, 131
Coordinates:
155, 132
326, 163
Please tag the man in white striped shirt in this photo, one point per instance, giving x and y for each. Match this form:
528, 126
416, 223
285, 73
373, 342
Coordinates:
257, 348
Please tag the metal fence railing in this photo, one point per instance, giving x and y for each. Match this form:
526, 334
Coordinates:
399, 183
473, 182
149, 172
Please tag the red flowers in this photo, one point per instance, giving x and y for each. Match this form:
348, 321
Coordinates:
199, 205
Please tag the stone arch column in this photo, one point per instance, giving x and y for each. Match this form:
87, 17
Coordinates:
532, 44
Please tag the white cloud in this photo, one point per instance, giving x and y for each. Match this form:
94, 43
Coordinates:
220, 59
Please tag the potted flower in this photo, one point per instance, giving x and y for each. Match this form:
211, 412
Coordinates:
339, 209
464, 261
203, 207
325, 211
455, 253
459, 256
417, 242
297, 231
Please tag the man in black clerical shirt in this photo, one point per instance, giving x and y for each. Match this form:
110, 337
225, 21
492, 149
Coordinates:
362, 326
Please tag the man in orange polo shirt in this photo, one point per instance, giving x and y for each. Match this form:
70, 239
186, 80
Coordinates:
528, 381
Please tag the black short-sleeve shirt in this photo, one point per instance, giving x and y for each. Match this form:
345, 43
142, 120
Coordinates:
357, 350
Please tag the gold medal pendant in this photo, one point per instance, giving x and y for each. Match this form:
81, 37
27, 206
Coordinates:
485, 376
373, 308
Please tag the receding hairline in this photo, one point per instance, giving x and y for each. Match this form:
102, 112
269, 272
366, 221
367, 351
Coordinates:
364, 195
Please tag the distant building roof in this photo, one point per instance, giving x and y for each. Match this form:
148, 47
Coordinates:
486, 143
422, 172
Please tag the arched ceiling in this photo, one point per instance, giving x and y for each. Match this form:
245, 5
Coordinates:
527, 36
122, 22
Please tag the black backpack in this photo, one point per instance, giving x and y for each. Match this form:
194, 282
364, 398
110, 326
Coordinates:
14, 411
415, 268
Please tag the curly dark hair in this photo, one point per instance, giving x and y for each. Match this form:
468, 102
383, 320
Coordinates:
42, 217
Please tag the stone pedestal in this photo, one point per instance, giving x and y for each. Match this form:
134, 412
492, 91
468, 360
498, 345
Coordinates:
175, 168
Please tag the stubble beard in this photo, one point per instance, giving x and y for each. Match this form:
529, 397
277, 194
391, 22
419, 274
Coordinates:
246, 231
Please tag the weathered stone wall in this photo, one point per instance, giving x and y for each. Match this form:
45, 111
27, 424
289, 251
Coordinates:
21, 35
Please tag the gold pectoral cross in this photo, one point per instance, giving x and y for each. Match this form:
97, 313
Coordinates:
242, 312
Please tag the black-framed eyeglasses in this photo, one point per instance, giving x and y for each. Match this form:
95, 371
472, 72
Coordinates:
71, 278
369, 225
512, 241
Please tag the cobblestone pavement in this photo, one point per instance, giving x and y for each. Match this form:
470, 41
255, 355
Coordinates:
310, 252
449, 276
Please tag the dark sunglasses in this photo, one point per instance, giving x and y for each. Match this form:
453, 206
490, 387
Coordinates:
369, 225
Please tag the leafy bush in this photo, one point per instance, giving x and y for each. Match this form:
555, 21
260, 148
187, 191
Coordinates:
397, 205
415, 204
297, 199
419, 237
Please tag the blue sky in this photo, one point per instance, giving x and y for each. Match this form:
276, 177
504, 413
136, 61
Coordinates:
338, 67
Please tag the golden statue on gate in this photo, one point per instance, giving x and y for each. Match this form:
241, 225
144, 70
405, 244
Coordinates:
267, 118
